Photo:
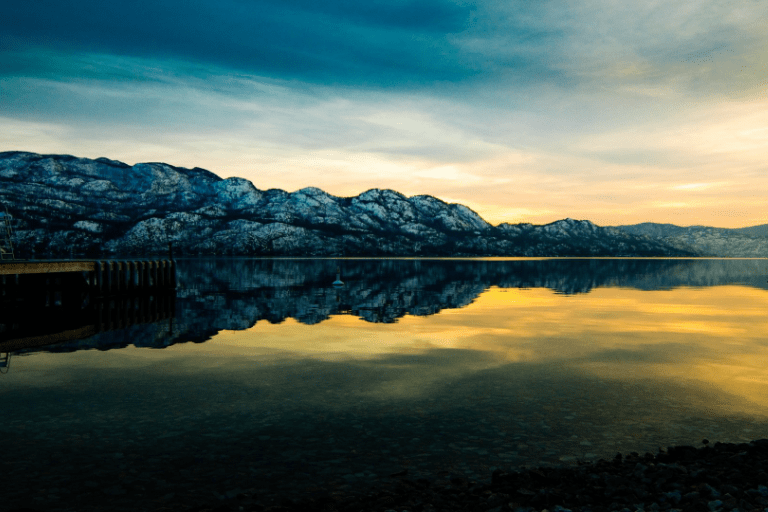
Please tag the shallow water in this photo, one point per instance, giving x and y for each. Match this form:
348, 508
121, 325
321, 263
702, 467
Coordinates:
267, 379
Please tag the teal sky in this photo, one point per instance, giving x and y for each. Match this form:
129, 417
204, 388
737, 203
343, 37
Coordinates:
616, 112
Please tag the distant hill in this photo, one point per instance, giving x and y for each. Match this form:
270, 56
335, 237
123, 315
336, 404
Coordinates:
756, 231
63, 205
751, 242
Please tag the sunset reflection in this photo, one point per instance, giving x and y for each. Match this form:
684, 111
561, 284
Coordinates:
712, 337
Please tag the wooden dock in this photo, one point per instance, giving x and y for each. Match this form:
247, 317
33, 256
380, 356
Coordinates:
52, 301
101, 276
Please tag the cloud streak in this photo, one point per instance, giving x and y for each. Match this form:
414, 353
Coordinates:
329, 42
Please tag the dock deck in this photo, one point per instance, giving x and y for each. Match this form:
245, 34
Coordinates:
46, 267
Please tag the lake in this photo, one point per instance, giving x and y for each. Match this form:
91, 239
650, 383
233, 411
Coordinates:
264, 378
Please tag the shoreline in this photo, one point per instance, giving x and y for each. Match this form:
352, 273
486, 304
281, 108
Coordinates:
720, 477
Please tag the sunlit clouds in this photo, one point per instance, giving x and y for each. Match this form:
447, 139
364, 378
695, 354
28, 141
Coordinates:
613, 112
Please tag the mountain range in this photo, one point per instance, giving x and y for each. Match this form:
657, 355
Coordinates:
68, 206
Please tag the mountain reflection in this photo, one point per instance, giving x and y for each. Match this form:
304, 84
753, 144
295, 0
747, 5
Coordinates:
234, 294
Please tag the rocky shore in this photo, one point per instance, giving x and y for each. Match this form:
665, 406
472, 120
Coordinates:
721, 477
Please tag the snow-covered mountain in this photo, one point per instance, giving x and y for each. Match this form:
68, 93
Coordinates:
751, 242
63, 205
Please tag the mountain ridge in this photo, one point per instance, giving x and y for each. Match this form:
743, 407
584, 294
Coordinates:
668, 229
748, 242
66, 205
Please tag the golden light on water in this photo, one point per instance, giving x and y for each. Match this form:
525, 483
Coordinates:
712, 338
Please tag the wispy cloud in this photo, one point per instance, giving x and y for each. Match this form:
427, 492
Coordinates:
696, 186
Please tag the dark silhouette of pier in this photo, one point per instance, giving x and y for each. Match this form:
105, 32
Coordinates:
103, 277
52, 301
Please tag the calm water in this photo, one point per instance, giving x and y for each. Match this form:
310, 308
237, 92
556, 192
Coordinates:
267, 378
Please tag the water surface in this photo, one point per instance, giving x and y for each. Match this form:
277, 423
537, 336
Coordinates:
268, 379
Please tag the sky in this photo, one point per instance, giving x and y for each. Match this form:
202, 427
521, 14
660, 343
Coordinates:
525, 111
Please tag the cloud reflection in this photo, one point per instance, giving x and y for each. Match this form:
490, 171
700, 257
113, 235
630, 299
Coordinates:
711, 337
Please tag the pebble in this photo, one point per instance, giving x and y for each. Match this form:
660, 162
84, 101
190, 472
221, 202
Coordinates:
607, 485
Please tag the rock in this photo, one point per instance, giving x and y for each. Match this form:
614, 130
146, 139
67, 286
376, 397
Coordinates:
586, 487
